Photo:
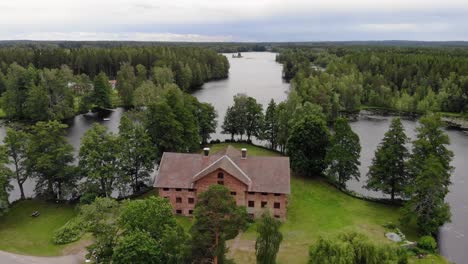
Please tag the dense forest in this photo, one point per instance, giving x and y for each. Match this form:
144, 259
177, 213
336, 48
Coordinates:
40, 83
414, 80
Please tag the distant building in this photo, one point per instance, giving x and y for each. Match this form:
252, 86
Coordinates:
258, 183
113, 83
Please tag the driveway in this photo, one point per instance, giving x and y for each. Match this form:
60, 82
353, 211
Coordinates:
10, 258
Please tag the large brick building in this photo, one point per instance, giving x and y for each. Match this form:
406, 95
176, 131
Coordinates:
258, 183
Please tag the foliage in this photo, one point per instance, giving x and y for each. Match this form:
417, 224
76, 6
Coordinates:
244, 117
136, 247
354, 248
136, 154
268, 240
16, 144
307, 145
206, 115
126, 83
427, 243
48, 156
146, 93
271, 124
430, 169
343, 154
99, 158
5, 176
70, 232
388, 172
217, 219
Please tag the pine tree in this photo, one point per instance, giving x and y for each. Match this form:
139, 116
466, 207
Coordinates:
388, 172
343, 154
271, 125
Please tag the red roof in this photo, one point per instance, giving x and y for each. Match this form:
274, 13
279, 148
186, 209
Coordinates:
260, 174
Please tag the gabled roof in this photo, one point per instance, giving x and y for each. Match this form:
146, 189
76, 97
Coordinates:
260, 174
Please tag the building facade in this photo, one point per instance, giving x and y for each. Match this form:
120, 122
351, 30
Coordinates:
258, 183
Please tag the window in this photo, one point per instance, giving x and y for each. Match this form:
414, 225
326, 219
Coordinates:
277, 216
251, 204
166, 197
220, 175
221, 182
178, 200
191, 200
264, 204
251, 193
277, 205
190, 212
264, 193
191, 190
166, 189
277, 194
178, 212
178, 189
233, 193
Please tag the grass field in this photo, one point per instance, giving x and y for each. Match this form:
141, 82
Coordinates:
23, 234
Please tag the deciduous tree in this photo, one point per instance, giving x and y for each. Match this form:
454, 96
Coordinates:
268, 240
16, 145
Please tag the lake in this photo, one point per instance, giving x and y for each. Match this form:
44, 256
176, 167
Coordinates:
258, 75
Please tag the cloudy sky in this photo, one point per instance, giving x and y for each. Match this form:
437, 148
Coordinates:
234, 20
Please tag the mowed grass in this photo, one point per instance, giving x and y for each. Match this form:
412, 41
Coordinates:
318, 209
20, 233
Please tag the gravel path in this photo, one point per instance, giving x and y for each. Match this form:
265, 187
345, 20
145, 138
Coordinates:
10, 258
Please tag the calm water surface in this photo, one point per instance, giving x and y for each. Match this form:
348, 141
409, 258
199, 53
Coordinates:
259, 76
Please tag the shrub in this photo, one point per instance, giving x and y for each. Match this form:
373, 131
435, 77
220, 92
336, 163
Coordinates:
68, 233
427, 243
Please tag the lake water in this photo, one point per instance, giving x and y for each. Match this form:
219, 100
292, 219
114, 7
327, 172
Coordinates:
259, 76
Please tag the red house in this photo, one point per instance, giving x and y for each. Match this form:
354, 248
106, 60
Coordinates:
258, 183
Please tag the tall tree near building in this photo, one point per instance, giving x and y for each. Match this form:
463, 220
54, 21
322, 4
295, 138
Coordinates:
271, 125
430, 171
206, 115
16, 145
254, 119
5, 176
268, 240
136, 155
343, 154
388, 172
126, 83
99, 158
230, 123
101, 96
48, 156
307, 145
217, 219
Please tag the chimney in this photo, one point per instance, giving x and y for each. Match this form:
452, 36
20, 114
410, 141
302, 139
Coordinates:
244, 153
206, 152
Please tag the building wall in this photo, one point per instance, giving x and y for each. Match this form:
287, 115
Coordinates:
179, 198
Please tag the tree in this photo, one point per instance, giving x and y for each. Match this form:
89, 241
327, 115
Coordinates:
16, 144
217, 219
37, 104
271, 125
430, 171
230, 125
48, 156
343, 154
268, 240
146, 93
206, 115
162, 76
137, 247
388, 172
137, 155
427, 201
307, 145
254, 118
99, 158
354, 248
5, 176
101, 96
126, 83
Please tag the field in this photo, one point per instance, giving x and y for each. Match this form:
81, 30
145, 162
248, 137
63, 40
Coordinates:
21, 233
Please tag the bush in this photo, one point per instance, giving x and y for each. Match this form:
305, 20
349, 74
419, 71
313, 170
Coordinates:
427, 243
68, 233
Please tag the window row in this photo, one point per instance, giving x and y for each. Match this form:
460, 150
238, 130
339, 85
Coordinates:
178, 189
179, 212
263, 204
264, 193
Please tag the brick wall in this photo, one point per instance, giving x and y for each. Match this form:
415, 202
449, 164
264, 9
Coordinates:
179, 198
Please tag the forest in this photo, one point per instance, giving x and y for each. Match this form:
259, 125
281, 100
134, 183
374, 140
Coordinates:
405, 79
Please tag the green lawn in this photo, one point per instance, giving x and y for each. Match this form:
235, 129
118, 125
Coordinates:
21, 233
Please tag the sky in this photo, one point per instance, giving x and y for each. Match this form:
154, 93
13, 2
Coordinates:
234, 20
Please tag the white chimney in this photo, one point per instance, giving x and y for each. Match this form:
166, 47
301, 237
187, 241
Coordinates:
206, 152
244, 153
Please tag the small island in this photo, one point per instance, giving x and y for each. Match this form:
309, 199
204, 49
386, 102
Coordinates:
239, 55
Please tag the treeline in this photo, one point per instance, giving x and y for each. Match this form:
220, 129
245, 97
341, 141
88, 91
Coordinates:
414, 80
420, 178
33, 88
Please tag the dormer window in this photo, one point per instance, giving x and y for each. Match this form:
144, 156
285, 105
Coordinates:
220, 175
